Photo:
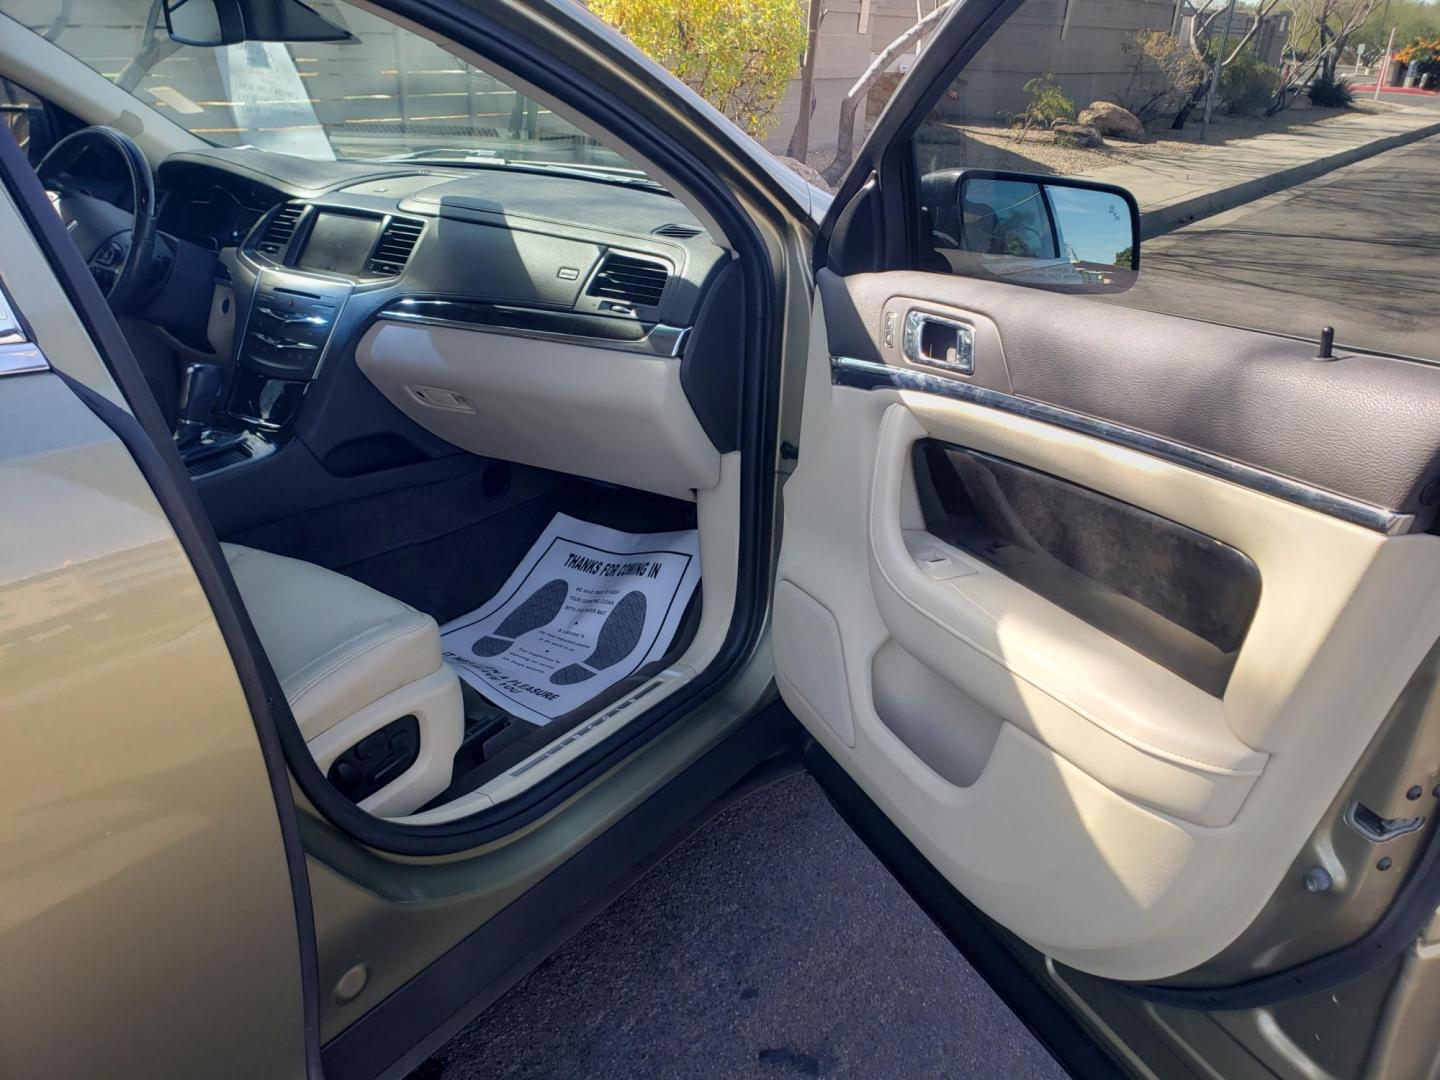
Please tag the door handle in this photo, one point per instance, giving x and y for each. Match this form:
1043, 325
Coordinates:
936, 341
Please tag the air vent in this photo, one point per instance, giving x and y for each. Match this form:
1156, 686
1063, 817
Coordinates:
396, 243
629, 279
677, 231
281, 228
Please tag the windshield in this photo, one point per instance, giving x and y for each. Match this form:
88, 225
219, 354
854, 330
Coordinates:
389, 93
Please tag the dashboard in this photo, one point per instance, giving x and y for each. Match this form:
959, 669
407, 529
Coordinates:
321, 256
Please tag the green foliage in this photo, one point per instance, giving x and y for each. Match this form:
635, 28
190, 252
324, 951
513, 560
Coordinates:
1414, 20
1047, 104
1331, 92
1247, 85
737, 54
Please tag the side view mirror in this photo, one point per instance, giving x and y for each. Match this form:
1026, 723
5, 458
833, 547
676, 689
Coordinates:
213, 23
1050, 231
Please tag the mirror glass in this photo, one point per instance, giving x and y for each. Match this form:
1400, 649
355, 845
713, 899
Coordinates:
194, 22
1033, 232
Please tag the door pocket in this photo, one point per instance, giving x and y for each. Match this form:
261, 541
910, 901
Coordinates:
1177, 596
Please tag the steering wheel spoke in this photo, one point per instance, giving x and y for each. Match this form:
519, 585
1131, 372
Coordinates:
106, 263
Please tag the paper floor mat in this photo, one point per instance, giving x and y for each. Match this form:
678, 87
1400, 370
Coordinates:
586, 607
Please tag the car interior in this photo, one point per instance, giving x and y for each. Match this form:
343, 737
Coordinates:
385, 379
1108, 612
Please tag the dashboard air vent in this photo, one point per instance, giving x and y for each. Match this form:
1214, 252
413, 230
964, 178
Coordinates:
629, 279
277, 234
678, 232
395, 246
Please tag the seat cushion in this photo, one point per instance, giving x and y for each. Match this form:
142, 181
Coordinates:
337, 645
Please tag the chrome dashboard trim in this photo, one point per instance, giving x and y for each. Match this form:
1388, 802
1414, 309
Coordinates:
660, 340
870, 375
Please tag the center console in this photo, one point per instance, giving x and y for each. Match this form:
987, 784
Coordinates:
286, 337
283, 344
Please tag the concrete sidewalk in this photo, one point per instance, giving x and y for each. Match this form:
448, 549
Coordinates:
1212, 179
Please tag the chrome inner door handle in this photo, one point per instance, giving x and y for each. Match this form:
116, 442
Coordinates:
936, 341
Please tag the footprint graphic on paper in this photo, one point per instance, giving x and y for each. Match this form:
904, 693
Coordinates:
539, 609
617, 639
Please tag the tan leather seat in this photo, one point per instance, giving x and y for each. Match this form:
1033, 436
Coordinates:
352, 660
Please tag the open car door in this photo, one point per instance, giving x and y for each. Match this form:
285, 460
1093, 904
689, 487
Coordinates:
156, 908
1126, 621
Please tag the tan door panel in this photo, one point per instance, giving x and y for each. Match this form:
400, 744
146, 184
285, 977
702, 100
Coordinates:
1116, 816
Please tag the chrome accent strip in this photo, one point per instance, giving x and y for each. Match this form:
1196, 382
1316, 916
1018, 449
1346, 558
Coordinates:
18, 354
11, 330
869, 375
337, 292
21, 358
662, 340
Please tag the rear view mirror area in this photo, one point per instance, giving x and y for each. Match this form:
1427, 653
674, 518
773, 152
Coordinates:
1049, 232
214, 23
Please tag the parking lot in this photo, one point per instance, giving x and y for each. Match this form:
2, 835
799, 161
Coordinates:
771, 944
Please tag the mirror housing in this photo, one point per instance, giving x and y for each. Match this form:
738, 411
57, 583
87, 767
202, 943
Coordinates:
1052, 232
214, 23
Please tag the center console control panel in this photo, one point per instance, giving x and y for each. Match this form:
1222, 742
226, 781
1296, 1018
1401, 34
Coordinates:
287, 334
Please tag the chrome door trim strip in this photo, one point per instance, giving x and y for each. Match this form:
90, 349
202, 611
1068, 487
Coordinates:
18, 354
21, 358
11, 332
661, 340
869, 375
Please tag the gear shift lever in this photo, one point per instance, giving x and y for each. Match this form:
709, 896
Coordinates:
198, 394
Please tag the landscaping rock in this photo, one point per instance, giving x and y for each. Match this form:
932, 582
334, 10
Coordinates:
807, 172
1110, 119
1082, 135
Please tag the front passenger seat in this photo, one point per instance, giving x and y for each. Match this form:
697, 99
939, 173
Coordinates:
363, 675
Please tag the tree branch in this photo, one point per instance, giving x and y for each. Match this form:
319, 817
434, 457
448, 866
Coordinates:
845, 140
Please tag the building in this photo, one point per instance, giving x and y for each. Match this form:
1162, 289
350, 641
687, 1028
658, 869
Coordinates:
1081, 42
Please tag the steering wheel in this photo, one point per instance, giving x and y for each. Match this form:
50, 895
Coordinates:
119, 247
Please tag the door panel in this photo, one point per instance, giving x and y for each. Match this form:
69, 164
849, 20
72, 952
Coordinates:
1252, 398
142, 859
1183, 599
1098, 803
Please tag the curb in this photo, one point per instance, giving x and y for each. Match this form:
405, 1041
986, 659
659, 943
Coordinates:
1166, 219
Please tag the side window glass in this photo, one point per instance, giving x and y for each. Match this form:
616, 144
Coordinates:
1223, 162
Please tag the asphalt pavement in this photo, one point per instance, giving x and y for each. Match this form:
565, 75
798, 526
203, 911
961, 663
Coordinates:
771, 944
1356, 249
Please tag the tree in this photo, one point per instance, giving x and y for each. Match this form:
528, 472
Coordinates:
1412, 19
1164, 73
845, 140
736, 54
1202, 23
800, 138
1320, 30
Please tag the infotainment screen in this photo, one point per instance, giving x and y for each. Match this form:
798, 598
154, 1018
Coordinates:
339, 243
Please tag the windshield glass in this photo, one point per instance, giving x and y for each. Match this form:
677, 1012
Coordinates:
388, 93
